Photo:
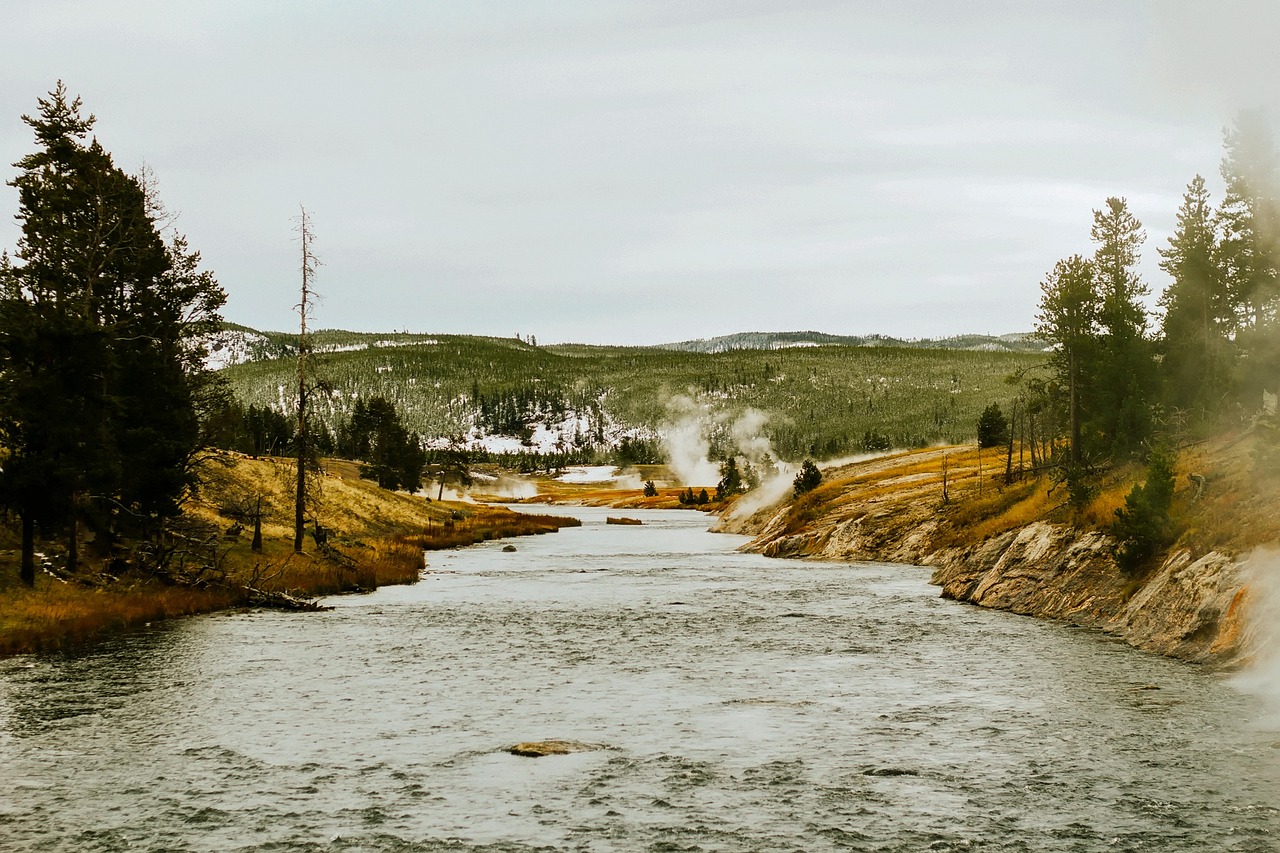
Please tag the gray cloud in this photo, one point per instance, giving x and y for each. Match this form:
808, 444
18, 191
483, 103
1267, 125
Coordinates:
638, 172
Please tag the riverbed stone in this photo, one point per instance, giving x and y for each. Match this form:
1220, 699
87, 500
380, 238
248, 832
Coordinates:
542, 748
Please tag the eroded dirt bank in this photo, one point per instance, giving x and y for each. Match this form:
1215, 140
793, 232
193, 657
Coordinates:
1005, 548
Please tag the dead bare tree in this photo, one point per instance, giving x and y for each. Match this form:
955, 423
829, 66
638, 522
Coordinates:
305, 237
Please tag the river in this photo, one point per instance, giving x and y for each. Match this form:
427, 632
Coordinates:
746, 704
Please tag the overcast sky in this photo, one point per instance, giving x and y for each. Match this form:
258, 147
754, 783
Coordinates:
618, 172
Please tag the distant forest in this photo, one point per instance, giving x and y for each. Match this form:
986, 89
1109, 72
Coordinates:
821, 401
1101, 380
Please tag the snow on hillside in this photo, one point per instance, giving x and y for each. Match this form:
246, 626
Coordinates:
233, 346
414, 342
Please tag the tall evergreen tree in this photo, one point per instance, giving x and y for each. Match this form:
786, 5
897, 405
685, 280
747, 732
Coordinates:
1068, 320
1124, 380
1247, 220
1249, 252
375, 434
1198, 317
101, 369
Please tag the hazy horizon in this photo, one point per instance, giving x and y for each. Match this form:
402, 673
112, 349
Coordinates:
548, 342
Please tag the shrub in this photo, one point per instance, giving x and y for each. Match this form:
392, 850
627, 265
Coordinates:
1081, 486
1142, 526
993, 427
808, 479
730, 479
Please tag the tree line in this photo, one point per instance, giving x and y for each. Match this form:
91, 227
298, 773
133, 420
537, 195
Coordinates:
1126, 383
103, 388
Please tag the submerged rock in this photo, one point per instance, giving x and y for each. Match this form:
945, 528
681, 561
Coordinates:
540, 748
508, 549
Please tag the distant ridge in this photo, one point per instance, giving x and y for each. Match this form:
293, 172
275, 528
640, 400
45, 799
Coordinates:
1015, 342
237, 344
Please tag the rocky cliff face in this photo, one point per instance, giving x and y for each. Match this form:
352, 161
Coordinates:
1187, 608
1191, 609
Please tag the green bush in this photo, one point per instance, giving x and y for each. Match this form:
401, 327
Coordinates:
1142, 526
993, 427
808, 479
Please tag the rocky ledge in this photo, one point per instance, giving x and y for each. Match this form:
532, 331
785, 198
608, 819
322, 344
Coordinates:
1187, 607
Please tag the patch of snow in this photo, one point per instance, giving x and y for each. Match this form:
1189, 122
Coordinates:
228, 348
589, 474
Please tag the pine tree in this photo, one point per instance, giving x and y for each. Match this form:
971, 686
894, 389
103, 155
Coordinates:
1068, 321
993, 427
1124, 378
1142, 526
730, 479
454, 464
808, 479
376, 435
1247, 220
102, 375
1198, 318
1248, 254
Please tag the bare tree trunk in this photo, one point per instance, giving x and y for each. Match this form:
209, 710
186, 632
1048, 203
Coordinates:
1022, 440
1008, 462
945, 497
1031, 439
257, 526
1075, 411
304, 306
979, 469
28, 570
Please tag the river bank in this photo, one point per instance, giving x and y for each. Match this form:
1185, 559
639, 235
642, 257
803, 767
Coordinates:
1017, 547
374, 538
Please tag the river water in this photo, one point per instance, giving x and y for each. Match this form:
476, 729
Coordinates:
747, 705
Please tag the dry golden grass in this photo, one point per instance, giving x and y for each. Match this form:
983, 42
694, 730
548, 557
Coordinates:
377, 538
484, 524
1237, 509
972, 518
56, 614
1100, 512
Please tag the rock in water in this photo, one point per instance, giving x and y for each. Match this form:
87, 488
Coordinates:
624, 520
539, 748
509, 549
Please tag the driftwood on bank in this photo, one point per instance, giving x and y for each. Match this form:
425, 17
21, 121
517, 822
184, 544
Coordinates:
281, 600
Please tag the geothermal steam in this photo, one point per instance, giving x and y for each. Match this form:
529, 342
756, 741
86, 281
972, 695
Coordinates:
688, 443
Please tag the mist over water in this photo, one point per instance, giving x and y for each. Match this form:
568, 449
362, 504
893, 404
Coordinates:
747, 704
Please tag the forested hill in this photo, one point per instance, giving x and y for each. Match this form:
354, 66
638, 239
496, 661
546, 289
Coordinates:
508, 394
1017, 342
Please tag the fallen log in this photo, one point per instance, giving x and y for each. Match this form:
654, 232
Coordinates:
282, 601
